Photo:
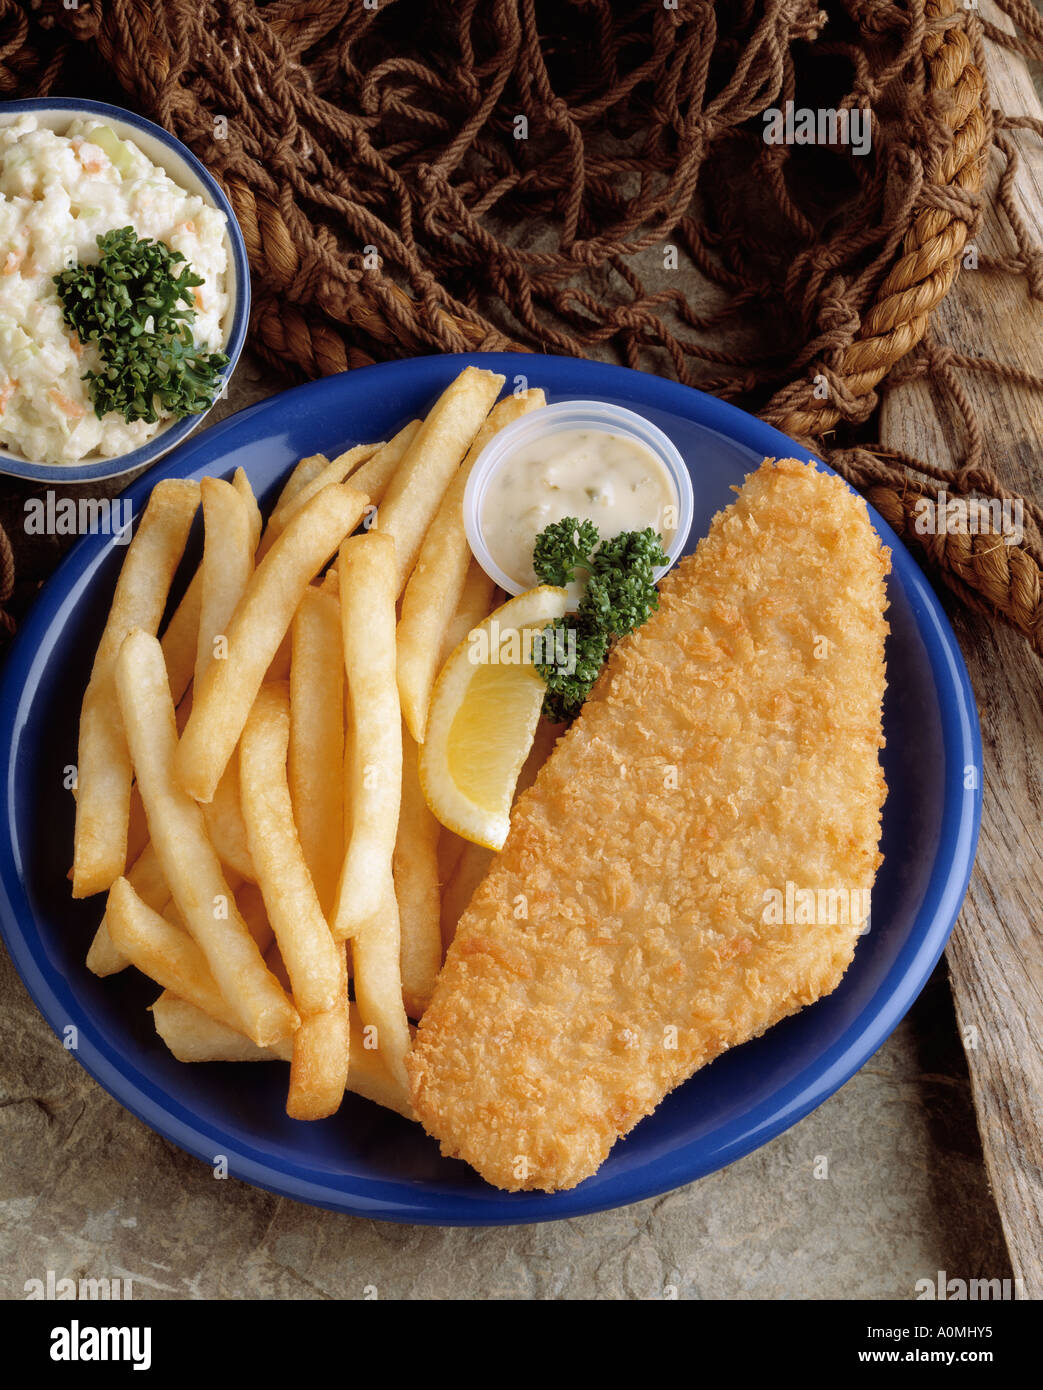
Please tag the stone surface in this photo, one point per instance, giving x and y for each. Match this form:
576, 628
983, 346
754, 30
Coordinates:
86, 1190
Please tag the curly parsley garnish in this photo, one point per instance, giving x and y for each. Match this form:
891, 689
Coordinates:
130, 305
562, 548
619, 597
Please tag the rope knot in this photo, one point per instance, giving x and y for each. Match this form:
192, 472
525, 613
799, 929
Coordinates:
837, 317
853, 405
428, 179
558, 113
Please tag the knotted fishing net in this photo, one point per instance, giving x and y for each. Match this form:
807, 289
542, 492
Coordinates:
593, 177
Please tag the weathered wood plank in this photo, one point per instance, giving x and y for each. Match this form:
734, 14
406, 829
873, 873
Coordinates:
996, 953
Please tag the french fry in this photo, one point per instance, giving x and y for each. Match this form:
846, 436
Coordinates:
279, 668
305, 470
165, 953
476, 603
450, 847
183, 710
181, 637
274, 961
226, 567
370, 1076
338, 471
434, 588
137, 827
471, 868
415, 866
316, 754
376, 954
255, 915
146, 878
367, 609
241, 483
189, 862
170, 913
436, 452
319, 1066
193, 1036
225, 827
307, 948
376, 473
228, 689
104, 774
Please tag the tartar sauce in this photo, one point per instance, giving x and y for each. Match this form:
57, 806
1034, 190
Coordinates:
612, 479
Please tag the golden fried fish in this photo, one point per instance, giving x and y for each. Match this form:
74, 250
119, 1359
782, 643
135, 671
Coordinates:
694, 860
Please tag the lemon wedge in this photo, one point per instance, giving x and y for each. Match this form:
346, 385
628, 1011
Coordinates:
484, 709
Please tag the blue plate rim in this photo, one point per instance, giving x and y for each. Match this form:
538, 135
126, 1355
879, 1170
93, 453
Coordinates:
961, 819
177, 433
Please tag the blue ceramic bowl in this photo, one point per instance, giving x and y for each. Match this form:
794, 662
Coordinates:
185, 169
366, 1160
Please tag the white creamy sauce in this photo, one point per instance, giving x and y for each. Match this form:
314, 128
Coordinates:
58, 193
611, 479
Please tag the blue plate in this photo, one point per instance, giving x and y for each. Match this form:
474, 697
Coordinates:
366, 1160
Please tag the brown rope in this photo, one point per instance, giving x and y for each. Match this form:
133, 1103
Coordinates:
372, 158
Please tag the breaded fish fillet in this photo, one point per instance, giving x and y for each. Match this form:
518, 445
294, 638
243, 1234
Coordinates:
650, 906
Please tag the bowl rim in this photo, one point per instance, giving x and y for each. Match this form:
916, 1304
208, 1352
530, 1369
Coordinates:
179, 430
604, 416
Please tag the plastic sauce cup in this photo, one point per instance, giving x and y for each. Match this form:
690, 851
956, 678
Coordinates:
545, 424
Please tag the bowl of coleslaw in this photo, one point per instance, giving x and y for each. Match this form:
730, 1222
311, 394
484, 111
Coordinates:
74, 176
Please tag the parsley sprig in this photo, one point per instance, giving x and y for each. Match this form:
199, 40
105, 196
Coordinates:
619, 596
562, 548
136, 305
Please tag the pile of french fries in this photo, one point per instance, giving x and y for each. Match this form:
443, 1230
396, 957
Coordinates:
247, 789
